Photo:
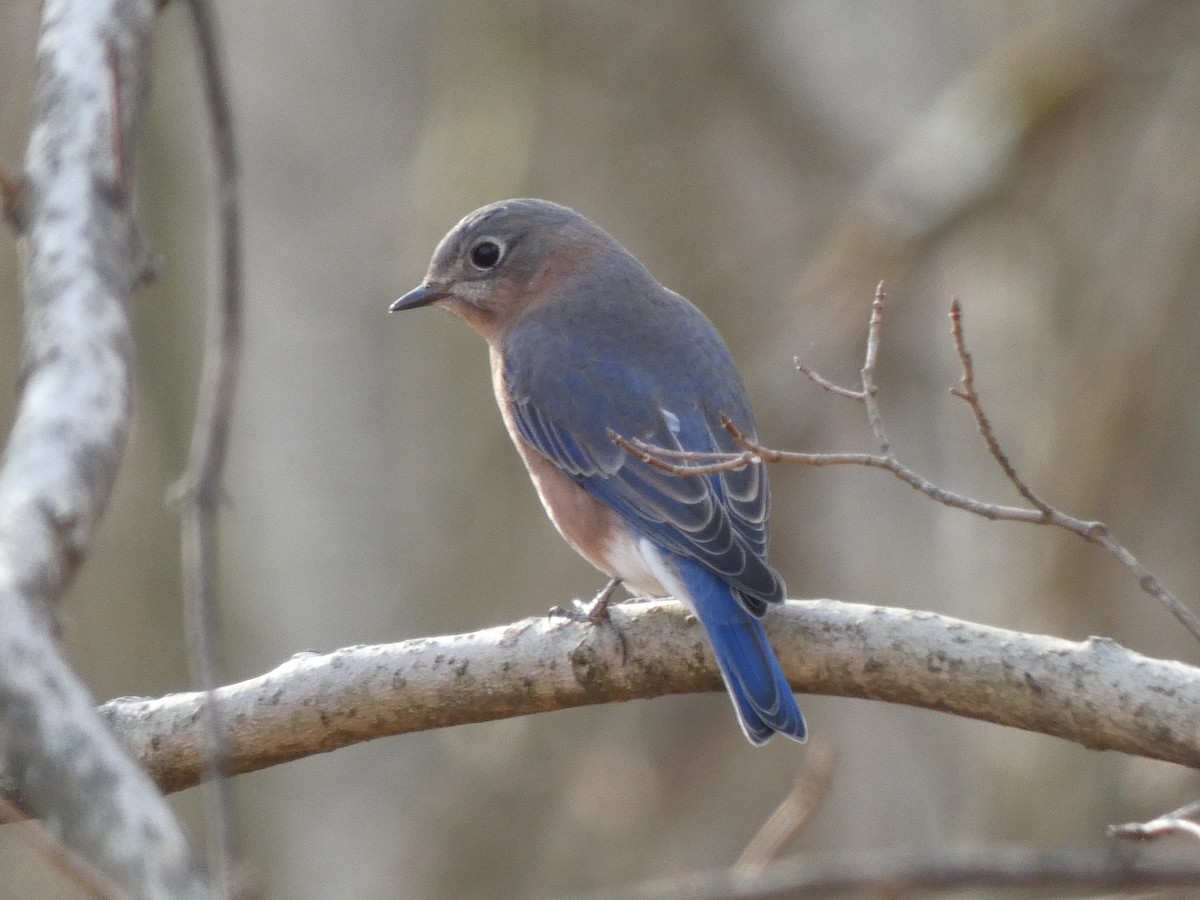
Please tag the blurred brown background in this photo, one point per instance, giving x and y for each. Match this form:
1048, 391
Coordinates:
771, 161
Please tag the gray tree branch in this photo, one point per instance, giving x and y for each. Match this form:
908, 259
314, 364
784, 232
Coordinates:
83, 258
921, 873
1094, 692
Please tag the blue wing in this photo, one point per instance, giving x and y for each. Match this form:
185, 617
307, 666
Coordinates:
571, 375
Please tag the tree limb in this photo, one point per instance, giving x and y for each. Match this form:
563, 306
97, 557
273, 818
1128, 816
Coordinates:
83, 258
1092, 692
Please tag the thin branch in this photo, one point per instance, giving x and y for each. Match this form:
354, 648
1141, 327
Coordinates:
656, 457
687, 464
968, 394
1156, 828
870, 390
1094, 532
711, 463
1093, 692
794, 813
1177, 822
921, 873
824, 383
58, 854
83, 255
200, 487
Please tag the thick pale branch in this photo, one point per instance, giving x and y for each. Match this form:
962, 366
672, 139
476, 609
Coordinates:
83, 257
1093, 692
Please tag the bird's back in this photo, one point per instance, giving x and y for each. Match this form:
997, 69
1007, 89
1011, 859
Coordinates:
614, 350
624, 336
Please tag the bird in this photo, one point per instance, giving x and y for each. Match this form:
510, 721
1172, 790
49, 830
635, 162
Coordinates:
585, 343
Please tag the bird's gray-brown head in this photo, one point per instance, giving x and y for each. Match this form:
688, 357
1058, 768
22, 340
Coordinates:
504, 258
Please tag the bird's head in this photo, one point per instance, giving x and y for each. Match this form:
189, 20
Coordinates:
503, 259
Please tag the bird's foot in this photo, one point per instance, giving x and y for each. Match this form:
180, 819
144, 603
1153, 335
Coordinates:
594, 612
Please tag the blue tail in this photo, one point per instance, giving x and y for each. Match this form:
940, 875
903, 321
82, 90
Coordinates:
760, 692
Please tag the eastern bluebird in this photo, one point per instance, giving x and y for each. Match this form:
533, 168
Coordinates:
583, 340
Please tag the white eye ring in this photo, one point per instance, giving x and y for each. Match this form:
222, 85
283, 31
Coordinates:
486, 253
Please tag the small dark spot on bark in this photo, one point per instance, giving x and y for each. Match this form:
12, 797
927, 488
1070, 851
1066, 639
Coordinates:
587, 667
110, 193
946, 663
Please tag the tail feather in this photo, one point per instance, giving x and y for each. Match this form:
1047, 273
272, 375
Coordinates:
761, 695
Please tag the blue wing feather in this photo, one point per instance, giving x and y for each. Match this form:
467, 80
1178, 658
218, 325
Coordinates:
572, 374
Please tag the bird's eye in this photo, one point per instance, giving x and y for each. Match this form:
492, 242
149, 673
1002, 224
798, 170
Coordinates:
486, 254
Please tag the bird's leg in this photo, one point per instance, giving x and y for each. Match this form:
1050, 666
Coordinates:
595, 613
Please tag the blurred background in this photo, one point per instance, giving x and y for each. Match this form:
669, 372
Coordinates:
771, 161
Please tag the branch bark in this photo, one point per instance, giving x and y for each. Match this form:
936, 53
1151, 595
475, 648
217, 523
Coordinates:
1092, 692
83, 258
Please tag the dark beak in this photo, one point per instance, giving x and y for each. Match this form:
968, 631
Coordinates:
422, 295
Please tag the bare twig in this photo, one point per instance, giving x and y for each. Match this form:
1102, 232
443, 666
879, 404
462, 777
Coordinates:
712, 463
824, 383
1156, 828
693, 463
916, 873
1042, 513
59, 855
1094, 532
82, 257
870, 390
1177, 822
793, 813
968, 394
200, 487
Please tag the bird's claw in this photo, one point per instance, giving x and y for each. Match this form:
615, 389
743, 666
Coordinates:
594, 612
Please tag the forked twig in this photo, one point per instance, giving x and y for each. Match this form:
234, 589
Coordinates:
1039, 512
967, 394
1178, 822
